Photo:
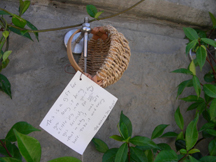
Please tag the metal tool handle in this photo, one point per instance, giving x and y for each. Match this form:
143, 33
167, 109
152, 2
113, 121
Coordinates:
85, 30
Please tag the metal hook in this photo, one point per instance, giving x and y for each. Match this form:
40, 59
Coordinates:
192, 55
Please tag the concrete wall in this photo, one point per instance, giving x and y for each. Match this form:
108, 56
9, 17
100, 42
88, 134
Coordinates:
194, 12
147, 91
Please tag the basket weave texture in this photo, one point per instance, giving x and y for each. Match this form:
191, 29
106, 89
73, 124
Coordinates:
108, 59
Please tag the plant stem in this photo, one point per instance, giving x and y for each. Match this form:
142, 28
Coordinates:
2, 44
1, 38
118, 12
211, 55
7, 44
72, 26
183, 157
6, 11
129, 152
45, 30
211, 31
5, 148
211, 67
198, 142
192, 148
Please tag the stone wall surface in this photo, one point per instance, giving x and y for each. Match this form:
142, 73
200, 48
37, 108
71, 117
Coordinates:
147, 91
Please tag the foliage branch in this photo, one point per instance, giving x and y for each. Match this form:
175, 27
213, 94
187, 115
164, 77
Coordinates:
144, 149
18, 145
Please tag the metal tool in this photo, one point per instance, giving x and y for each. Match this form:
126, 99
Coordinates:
80, 41
192, 55
85, 30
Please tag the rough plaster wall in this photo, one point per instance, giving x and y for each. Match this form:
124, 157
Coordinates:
180, 11
146, 92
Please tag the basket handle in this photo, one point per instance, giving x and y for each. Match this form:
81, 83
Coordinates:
70, 54
96, 78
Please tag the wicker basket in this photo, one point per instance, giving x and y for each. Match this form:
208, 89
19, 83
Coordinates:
107, 59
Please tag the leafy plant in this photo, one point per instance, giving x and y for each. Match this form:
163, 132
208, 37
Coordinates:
18, 145
144, 149
15, 25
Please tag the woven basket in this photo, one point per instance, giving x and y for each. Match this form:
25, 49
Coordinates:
107, 59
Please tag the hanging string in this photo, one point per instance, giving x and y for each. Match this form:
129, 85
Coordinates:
82, 157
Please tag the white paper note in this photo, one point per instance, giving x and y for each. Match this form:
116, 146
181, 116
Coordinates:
78, 113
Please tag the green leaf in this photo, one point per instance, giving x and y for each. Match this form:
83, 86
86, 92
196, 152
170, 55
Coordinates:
180, 144
180, 136
117, 138
5, 33
183, 151
206, 115
24, 5
149, 155
5, 85
210, 90
17, 31
207, 98
192, 68
18, 21
213, 19
124, 131
190, 33
194, 105
138, 155
183, 85
212, 110
166, 156
98, 14
65, 159
31, 26
16, 152
29, 147
21, 127
209, 77
127, 132
191, 45
192, 98
191, 135
208, 159
158, 131
182, 70
6, 54
205, 134
169, 134
212, 132
121, 154
143, 141
109, 156
3, 13
192, 159
193, 151
201, 107
212, 148
209, 41
201, 55
196, 85
5, 63
206, 126
100, 145
91, 10
164, 146
9, 147
12, 149
9, 159
201, 33
179, 119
